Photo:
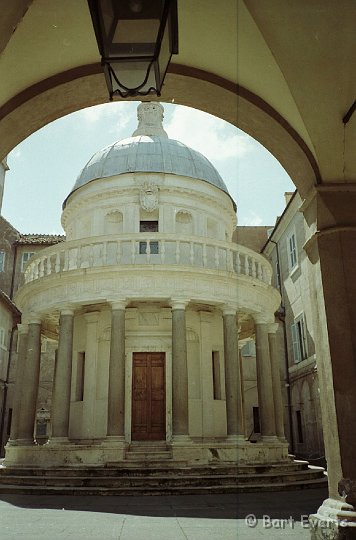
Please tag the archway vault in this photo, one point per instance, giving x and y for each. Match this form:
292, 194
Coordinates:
84, 86
276, 71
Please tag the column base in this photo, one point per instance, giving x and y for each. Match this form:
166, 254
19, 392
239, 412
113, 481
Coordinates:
334, 520
23, 442
57, 441
270, 439
236, 439
115, 439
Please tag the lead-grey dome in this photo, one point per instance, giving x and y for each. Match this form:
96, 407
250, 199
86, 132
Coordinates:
151, 151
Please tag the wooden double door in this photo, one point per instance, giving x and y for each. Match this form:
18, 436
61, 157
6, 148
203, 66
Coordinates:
148, 418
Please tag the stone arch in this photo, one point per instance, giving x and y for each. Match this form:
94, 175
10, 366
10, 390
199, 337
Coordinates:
84, 86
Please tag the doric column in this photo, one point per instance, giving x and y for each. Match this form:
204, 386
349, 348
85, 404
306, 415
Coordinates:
276, 381
233, 386
31, 377
264, 383
90, 374
63, 376
20, 368
179, 370
116, 397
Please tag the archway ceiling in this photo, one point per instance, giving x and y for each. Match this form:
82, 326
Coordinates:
297, 60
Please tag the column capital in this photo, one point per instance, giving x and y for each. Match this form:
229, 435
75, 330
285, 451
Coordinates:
178, 303
22, 328
229, 310
263, 318
34, 319
272, 328
118, 304
67, 310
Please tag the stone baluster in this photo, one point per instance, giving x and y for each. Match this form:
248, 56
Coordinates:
238, 262
162, 250
57, 266
177, 251
118, 252
217, 261
133, 251
205, 258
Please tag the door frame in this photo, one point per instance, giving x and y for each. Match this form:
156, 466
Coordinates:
146, 356
128, 385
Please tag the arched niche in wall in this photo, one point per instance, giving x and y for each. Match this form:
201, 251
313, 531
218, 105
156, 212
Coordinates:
113, 222
184, 222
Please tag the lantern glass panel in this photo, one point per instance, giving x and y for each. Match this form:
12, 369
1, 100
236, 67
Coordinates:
131, 75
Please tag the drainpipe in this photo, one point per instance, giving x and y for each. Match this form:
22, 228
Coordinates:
281, 317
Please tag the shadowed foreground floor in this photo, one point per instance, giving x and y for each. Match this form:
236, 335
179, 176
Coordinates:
189, 517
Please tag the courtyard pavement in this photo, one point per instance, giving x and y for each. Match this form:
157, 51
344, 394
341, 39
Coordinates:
250, 516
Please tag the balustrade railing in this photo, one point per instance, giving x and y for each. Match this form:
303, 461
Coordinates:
145, 249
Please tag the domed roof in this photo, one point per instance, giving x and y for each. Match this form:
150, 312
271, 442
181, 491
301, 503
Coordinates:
149, 150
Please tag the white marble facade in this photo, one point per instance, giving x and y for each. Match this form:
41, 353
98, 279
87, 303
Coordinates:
149, 300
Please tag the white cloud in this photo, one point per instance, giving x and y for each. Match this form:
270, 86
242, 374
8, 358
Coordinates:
251, 219
209, 135
123, 114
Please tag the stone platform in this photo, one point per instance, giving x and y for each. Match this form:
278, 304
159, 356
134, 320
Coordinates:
160, 478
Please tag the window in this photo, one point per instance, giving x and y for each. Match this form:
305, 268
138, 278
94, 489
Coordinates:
299, 426
249, 349
256, 420
79, 387
26, 256
292, 251
299, 339
216, 374
2, 261
9, 422
2, 338
149, 226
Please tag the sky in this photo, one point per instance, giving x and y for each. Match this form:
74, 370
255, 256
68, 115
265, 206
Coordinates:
44, 167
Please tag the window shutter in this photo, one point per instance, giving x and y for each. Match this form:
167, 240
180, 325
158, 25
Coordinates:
296, 343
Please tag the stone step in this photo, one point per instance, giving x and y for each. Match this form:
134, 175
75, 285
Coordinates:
150, 457
220, 479
112, 469
162, 490
157, 480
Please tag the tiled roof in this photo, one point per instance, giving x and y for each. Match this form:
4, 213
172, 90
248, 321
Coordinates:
48, 239
9, 303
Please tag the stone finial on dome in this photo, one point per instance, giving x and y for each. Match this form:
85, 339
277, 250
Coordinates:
150, 117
